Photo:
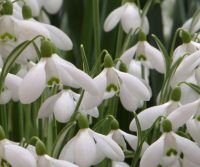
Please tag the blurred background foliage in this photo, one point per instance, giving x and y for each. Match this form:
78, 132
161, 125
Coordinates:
76, 19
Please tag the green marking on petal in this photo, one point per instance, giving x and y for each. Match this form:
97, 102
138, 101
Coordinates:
112, 87
53, 81
141, 57
171, 152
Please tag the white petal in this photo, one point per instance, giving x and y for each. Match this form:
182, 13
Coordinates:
153, 154
23, 159
52, 6
89, 101
148, 116
118, 138
82, 79
13, 82
135, 86
5, 96
119, 164
46, 108
128, 100
33, 84
64, 107
59, 38
113, 18
155, 57
188, 148
182, 114
131, 18
193, 129
109, 147
94, 112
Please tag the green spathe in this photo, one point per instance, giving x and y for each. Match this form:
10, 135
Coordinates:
40, 148
108, 62
114, 124
185, 36
26, 12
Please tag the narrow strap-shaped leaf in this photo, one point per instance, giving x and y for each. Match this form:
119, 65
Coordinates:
85, 61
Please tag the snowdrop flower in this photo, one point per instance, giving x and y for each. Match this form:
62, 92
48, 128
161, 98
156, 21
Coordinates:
111, 81
149, 56
148, 116
188, 46
45, 160
130, 18
89, 148
185, 69
122, 137
62, 106
52, 68
8, 152
169, 146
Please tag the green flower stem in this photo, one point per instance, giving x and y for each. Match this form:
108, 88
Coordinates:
96, 22
28, 125
119, 42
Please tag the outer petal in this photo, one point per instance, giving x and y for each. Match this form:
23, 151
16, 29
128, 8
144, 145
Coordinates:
23, 159
135, 86
5, 96
193, 129
131, 18
13, 82
108, 146
188, 148
89, 101
113, 18
46, 109
182, 114
64, 107
52, 6
119, 164
118, 138
153, 154
33, 84
148, 117
60, 39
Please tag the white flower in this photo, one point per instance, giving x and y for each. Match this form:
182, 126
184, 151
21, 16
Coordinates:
88, 148
188, 25
62, 106
53, 67
8, 152
130, 18
111, 81
45, 160
119, 164
169, 145
149, 56
51, 6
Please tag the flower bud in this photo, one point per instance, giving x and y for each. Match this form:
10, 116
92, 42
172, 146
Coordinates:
176, 94
167, 126
2, 133
8, 8
46, 48
185, 36
40, 148
114, 124
26, 12
123, 67
83, 121
108, 62
142, 36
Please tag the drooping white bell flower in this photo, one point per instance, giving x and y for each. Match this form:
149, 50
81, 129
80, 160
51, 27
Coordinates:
51, 6
188, 46
8, 152
129, 16
62, 106
51, 67
169, 145
45, 160
185, 69
111, 81
148, 116
148, 55
89, 148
